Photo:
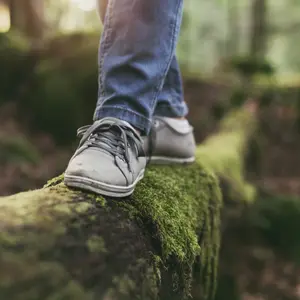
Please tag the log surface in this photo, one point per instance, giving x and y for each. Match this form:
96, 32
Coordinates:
61, 244
161, 243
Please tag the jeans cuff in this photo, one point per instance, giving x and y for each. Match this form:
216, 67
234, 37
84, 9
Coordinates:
171, 111
135, 119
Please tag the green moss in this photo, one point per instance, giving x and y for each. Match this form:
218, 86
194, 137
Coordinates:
53, 228
67, 83
124, 284
96, 244
177, 202
48, 276
101, 201
54, 181
15, 64
224, 152
158, 264
172, 204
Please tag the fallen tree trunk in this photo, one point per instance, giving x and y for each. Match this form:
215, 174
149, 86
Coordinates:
161, 243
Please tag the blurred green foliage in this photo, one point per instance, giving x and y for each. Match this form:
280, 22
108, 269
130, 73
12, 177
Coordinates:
16, 150
55, 87
64, 90
56, 91
251, 66
277, 219
15, 64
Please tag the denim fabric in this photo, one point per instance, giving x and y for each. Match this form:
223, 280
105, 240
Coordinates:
138, 72
170, 101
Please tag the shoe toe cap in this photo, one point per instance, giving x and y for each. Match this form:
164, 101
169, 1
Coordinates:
96, 166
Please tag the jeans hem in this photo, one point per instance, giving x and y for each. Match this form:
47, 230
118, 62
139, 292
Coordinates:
133, 118
171, 111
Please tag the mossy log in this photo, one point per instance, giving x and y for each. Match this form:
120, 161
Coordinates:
161, 243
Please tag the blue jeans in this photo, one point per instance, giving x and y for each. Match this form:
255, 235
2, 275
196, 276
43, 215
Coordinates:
139, 74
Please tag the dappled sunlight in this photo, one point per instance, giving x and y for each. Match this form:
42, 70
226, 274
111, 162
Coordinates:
73, 15
85, 5
4, 18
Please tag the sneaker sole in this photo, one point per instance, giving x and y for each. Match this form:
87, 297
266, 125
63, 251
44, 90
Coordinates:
101, 188
162, 160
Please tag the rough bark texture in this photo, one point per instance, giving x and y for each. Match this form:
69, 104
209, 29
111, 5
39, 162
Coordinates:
161, 243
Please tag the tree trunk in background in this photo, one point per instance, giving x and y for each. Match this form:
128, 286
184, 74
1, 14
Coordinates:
28, 17
258, 36
233, 28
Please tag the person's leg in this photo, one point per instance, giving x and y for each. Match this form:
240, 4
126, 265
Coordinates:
137, 47
171, 99
171, 138
136, 51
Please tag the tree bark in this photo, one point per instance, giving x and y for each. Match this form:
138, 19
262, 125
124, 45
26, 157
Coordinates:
258, 42
233, 41
161, 243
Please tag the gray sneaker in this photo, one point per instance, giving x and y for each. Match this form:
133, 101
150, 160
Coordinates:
110, 159
170, 141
